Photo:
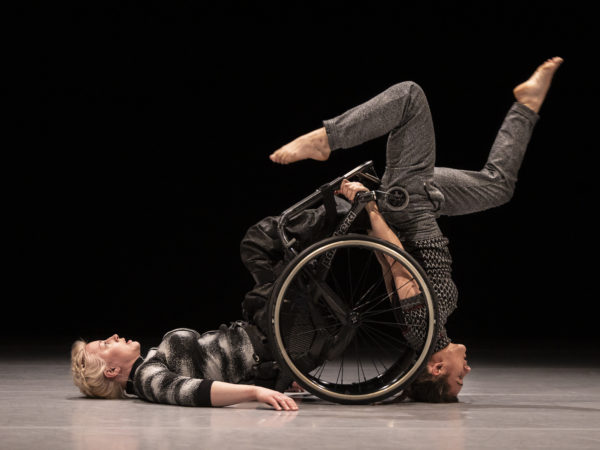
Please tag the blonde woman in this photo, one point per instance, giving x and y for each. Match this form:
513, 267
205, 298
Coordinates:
217, 368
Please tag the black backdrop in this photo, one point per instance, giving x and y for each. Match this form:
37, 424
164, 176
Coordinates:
143, 132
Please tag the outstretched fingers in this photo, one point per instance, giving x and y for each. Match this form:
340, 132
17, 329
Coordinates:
276, 399
283, 402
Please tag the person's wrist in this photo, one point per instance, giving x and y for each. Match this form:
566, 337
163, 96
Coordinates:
255, 390
371, 207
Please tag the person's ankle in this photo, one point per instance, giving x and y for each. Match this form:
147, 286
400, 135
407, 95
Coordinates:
532, 107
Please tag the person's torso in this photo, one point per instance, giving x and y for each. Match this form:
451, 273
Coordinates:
433, 255
225, 354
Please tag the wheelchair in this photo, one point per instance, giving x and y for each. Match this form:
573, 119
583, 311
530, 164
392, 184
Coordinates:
335, 324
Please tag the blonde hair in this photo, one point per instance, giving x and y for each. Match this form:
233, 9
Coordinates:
87, 370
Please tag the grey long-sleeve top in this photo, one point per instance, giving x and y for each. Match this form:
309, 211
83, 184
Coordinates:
180, 371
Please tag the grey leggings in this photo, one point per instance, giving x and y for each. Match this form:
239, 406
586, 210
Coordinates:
402, 112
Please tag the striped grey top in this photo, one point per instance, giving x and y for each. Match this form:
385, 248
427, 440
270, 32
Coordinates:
181, 369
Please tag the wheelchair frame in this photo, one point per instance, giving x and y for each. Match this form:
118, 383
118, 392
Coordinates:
313, 322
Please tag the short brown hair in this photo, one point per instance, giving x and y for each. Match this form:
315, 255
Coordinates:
431, 389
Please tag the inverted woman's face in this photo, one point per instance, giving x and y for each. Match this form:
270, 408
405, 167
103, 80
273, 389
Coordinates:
457, 366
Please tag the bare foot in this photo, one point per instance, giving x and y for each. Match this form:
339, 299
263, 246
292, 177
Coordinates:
313, 145
532, 92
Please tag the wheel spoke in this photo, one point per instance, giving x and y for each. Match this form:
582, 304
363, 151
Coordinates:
377, 300
380, 311
391, 324
374, 286
375, 340
320, 368
359, 366
387, 336
371, 354
336, 283
340, 371
314, 330
367, 265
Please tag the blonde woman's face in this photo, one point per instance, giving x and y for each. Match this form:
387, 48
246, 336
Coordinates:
114, 350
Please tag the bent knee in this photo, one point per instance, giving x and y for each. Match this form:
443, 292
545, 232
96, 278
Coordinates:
408, 87
411, 91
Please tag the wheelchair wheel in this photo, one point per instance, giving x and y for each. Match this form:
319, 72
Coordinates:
340, 331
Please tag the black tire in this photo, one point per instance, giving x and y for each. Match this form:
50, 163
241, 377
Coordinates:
317, 318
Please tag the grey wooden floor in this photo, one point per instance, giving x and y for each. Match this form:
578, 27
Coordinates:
544, 399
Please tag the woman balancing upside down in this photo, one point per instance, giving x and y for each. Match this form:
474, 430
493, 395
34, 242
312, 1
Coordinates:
234, 363
402, 113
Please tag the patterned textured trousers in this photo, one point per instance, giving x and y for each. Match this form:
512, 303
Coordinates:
402, 112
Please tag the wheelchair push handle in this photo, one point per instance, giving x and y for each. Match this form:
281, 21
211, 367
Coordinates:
366, 172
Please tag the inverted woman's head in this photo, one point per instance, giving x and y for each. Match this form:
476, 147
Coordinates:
101, 368
443, 380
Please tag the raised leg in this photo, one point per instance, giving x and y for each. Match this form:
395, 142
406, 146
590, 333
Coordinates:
402, 113
401, 110
467, 191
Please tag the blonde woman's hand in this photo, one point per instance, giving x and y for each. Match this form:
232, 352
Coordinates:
275, 399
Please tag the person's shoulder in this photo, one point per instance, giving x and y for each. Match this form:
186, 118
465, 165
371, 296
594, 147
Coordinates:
181, 333
178, 340
174, 342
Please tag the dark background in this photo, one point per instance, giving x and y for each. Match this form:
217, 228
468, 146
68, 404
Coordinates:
143, 131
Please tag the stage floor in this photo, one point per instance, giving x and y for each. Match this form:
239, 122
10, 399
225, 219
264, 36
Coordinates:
513, 399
